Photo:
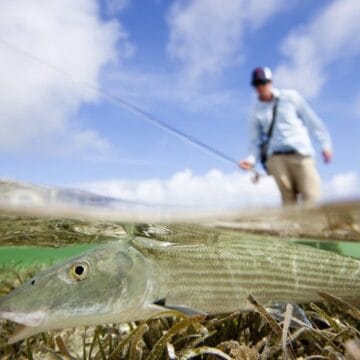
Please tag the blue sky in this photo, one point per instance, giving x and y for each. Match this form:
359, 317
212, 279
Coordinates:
186, 62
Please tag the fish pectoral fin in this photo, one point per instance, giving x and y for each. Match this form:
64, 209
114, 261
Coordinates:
185, 310
161, 303
298, 316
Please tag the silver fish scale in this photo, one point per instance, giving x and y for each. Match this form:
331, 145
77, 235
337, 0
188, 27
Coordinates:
218, 277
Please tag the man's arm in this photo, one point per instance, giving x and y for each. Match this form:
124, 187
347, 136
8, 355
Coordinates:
316, 127
255, 133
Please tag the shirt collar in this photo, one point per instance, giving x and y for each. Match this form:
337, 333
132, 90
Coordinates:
276, 94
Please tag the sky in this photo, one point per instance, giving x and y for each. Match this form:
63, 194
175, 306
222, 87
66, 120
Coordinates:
187, 63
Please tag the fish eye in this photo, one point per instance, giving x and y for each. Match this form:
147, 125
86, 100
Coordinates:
79, 271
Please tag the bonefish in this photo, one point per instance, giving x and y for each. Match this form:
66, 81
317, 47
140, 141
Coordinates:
135, 278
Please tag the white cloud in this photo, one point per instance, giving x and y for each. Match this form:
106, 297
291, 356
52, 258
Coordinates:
345, 185
214, 189
328, 37
259, 11
112, 7
206, 35
39, 105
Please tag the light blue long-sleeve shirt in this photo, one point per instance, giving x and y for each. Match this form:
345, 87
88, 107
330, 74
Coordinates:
294, 120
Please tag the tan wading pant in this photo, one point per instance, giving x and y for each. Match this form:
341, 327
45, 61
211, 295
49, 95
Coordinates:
295, 175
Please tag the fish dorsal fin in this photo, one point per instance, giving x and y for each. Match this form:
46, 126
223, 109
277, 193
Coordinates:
148, 243
151, 231
176, 233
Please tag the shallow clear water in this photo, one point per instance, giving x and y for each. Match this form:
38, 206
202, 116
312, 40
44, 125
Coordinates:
346, 248
25, 256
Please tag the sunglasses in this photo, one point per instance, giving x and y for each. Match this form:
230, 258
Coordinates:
260, 83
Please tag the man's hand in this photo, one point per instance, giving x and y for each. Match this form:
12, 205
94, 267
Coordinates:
246, 165
327, 156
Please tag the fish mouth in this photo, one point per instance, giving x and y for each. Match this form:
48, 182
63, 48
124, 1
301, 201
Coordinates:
29, 323
31, 319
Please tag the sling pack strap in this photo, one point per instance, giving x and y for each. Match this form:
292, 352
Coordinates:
271, 128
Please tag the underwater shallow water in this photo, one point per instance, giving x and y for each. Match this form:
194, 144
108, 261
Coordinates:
41, 237
333, 332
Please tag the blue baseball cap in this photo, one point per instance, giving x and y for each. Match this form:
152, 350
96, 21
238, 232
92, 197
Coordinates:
261, 75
